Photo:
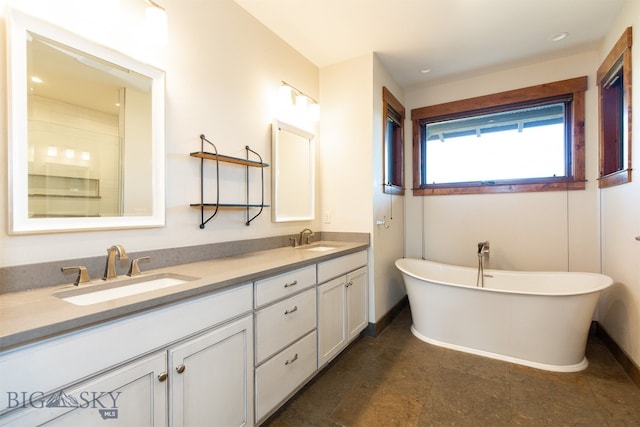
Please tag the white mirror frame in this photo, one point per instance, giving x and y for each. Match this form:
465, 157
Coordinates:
19, 221
293, 179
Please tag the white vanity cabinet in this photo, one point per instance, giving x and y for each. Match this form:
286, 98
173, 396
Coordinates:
342, 303
285, 337
184, 363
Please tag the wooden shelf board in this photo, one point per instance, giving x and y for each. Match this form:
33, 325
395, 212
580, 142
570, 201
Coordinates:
228, 159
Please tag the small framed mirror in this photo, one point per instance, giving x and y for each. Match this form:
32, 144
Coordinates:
293, 173
86, 133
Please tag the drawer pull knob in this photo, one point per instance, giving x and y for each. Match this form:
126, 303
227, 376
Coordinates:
293, 310
180, 368
290, 361
288, 285
162, 377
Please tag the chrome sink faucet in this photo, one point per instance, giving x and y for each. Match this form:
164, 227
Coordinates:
110, 269
302, 240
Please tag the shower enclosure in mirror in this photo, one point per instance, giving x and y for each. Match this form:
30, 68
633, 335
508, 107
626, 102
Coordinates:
86, 148
293, 169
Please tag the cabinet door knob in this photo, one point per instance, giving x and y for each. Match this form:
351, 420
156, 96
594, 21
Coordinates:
294, 309
180, 368
162, 377
290, 361
288, 285
349, 283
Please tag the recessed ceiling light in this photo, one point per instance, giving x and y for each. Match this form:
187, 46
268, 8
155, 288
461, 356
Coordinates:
425, 70
559, 36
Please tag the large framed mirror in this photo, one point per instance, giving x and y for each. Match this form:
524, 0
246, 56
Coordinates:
86, 133
293, 173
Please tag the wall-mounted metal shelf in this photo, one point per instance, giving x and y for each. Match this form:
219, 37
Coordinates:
217, 158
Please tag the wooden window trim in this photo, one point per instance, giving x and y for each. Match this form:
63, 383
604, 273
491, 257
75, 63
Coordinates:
391, 102
575, 87
622, 49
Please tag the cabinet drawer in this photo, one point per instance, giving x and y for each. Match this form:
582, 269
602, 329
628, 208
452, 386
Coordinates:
284, 373
337, 267
283, 285
282, 323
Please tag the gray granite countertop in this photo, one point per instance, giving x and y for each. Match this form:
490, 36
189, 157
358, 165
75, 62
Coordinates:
38, 314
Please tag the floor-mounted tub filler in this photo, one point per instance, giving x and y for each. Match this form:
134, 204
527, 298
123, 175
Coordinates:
537, 319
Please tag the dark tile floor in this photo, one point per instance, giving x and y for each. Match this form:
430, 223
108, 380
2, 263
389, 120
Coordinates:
398, 380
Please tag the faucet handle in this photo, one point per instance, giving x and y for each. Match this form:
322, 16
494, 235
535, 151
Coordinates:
83, 276
134, 269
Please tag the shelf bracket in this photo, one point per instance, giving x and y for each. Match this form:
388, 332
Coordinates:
203, 139
248, 223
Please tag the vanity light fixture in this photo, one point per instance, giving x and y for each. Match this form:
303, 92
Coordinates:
155, 21
295, 105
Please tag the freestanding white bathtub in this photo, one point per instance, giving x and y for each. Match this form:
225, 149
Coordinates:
537, 319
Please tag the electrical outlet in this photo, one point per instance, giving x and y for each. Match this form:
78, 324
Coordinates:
327, 217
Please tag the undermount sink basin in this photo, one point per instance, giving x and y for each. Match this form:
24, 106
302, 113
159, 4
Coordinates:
319, 248
94, 294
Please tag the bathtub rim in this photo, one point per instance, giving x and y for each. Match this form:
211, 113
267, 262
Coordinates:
577, 367
600, 288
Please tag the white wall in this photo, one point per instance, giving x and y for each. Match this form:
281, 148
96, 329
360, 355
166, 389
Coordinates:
619, 309
527, 231
351, 155
345, 147
346, 150
388, 239
223, 69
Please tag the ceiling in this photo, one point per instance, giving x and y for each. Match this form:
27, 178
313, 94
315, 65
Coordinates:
449, 37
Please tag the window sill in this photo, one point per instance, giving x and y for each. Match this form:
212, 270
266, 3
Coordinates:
441, 190
392, 189
615, 178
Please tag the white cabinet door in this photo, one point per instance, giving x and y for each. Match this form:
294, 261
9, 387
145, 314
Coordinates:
356, 302
132, 395
332, 313
211, 378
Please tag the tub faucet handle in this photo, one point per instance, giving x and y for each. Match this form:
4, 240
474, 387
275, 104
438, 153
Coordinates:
483, 248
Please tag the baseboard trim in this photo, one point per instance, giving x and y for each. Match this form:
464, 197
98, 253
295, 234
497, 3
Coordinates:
375, 329
618, 353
